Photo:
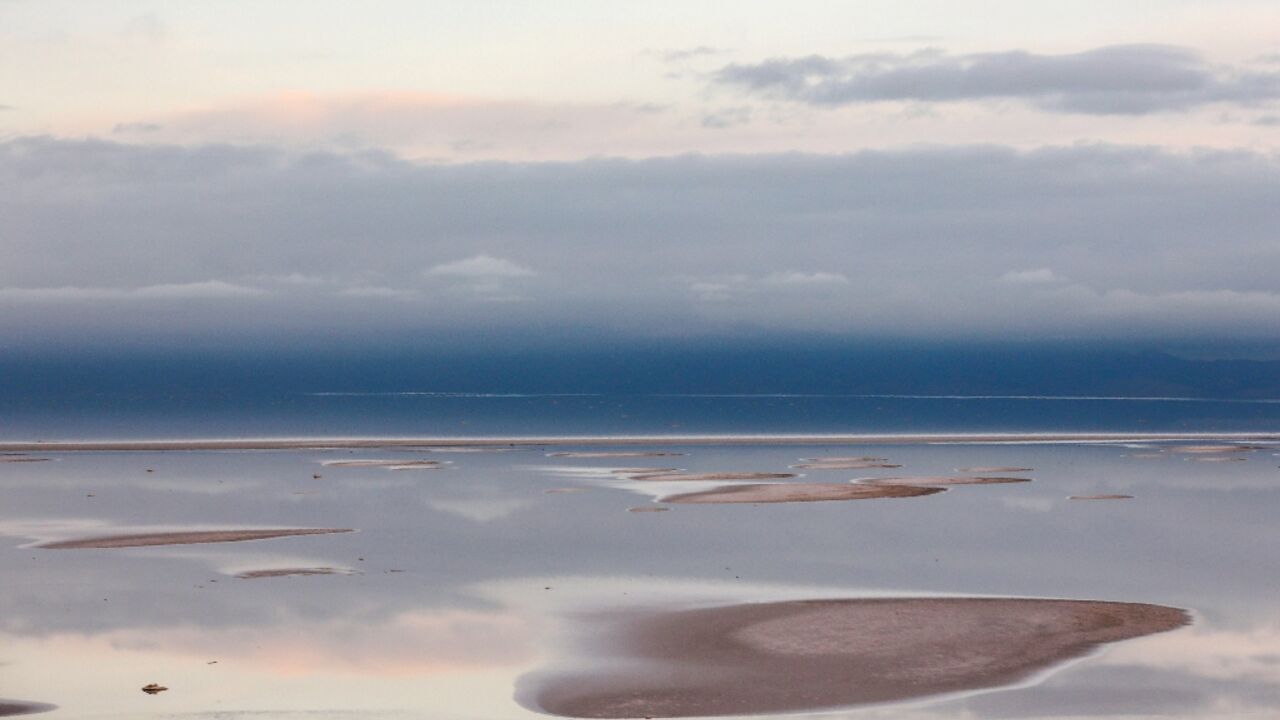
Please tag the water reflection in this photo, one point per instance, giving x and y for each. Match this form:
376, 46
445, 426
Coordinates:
465, 578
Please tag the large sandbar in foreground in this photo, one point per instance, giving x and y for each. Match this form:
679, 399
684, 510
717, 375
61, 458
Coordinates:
820, 654
192, 537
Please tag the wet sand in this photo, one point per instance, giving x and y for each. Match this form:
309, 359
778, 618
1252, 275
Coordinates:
388, 464
647, 509
942, 481
290, 572
797, 492
711, 477
622, 440
615, 454
823, 654
1100, 497
10, 708
183, 538
852, 465
21, 459
994, 469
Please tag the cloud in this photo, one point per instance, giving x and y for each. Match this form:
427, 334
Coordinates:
420, 124
1111, 80
795, 278
208, 290
136, 127
377, 291
693, 53
1089, 240
482, 266
1039, 276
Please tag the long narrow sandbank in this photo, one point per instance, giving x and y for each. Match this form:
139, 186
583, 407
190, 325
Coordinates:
823, 654
428, 443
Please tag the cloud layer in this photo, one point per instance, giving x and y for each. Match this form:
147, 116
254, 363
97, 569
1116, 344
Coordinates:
130, 241
1117, 79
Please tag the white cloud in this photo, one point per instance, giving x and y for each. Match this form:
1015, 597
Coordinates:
1039, 276
481, 266
796, 278
207, 290
376, 291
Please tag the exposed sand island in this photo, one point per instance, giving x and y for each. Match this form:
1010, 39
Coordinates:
994, 469
290, 572
1210, 449
797, 492
388, 464
942, 481
823, 654
711, 476
844, 465
9, 708
196, 537
615, 454
843, 459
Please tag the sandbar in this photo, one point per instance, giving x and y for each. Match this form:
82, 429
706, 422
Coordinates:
615, 454
844, 465
711, 476
21, 459
824, 654
1100, 497
388, 464
843, 459
1215, 448
943, 481
643, 471
195, 537
797, 492
290, 572
994, 469
10, 708
648, 509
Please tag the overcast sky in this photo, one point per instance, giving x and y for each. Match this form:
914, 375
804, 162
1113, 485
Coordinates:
908, 168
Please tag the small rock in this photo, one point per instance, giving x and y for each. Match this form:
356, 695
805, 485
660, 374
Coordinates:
153, 688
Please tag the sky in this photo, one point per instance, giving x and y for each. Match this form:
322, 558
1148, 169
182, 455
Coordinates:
185, 172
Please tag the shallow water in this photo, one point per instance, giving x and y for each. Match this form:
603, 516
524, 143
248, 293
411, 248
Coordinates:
462, 580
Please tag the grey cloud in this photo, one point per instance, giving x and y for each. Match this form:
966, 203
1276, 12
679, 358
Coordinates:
136, 127
961, 241
687, 54
1112, 80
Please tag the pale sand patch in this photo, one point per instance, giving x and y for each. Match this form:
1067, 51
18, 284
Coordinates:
647, 509
615, 454
195, 537
643, 471
942, 481
994, 469
1100, 497
10, 708
389, 464
850, 465
823, 654
291, 572
1216, 458
711, 477
797, 492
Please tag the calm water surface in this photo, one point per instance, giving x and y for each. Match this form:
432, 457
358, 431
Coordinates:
463, 579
